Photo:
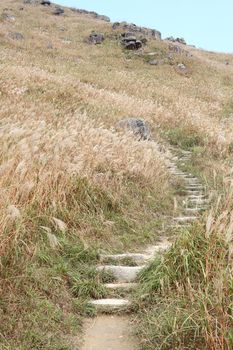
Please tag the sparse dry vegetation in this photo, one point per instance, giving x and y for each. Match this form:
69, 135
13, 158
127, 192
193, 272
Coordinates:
71, 185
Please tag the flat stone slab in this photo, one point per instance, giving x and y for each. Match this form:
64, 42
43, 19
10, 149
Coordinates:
160, 247
197, 200
193, 210
136, 257
195, 193
186, 219
122, 273
124, 286
108, 305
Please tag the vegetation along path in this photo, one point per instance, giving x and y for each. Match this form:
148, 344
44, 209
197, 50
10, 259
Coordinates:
111, 328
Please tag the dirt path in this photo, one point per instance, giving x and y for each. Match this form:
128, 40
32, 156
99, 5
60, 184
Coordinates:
109, 332
112, 332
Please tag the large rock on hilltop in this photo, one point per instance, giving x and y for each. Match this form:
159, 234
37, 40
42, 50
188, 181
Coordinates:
138, 126
58, 11
92, 14
131, 27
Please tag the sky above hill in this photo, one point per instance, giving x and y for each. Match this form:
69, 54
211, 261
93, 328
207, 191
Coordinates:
204, 23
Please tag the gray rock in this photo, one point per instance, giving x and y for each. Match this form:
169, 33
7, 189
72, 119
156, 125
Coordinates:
8, 17
127, 39
96, 38
92, 13
178, 40
16, 36
181, 66
144, 40
58, 11
130, 41
103, 18
138, 126
156, 62
181, 41
30, 2
116, 25
45, 2
170, 38
131, 27
138, 44
131, 45
176, 49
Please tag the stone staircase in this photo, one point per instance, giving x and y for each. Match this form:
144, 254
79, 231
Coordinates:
126, 276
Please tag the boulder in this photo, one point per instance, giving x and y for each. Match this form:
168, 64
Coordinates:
178, 40
176, 49
96, 38
130, 41
181, 41
45, 2
138, 126
131, 45
16, 36
31, 2
116, 25
156, 62
8, 17
129, 38
144, 40
181, 66
103, 18
138, 44
182, 69
58, 11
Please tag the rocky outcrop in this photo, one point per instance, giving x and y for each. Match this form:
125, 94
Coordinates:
92, 14
138, 126
16, 36
176, 40
130, 41
96, 38
45, 2
131, 27
58, 11
176, 49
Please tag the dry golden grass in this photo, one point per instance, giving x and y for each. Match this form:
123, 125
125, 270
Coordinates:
58, 109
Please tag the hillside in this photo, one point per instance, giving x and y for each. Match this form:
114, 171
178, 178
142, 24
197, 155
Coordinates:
73, 186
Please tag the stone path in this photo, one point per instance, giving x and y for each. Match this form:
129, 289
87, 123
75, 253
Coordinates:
112, 332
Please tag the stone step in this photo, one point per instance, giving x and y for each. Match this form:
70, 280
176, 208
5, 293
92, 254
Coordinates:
192, 195
192, 181
110, 305
186, 152
122, 273
195, 193
193, 210
135, 257
121, 286
160, 247
196, 186
198, 200
185, 219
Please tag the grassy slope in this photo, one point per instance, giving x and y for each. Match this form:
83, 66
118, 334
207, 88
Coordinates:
57, 105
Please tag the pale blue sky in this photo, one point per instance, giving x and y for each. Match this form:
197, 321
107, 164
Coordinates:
205, 23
